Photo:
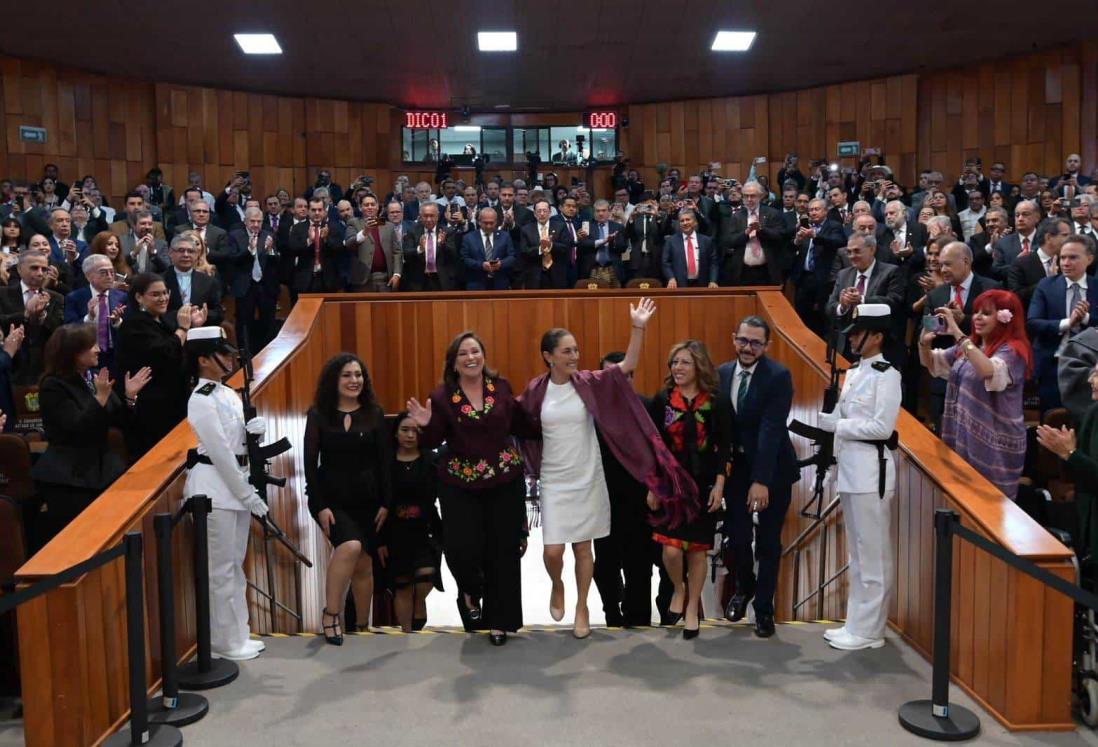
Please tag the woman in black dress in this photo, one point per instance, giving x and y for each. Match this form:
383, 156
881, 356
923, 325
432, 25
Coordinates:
348, 483
145, 341
692, 419
77, 410
414, 529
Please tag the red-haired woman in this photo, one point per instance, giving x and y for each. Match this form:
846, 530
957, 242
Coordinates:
983, 419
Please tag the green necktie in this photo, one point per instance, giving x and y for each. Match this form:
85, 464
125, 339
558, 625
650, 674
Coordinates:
741, 394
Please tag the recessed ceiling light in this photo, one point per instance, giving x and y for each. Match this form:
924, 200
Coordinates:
258, 43
733, 41
497, 41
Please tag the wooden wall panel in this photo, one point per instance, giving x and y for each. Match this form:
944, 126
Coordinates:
95, 125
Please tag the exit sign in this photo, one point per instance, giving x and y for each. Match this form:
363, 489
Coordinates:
30, 134
850, 149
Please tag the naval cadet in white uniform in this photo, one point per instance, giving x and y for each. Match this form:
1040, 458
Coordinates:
218, 469
864, 424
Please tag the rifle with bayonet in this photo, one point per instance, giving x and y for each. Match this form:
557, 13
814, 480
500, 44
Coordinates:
823, 442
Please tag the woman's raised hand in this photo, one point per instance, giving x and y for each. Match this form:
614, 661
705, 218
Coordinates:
642, 312
419, 414
134, 384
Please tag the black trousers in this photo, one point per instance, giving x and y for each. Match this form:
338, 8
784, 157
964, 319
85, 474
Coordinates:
626, 554
768, 540
482, 530
261, 330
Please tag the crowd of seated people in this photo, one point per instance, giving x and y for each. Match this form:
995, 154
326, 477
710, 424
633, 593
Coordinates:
140, 273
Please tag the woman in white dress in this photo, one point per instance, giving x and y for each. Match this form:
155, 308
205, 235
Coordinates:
575, 504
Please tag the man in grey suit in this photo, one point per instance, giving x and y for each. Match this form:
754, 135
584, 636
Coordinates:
142, 250
1023, 241
378, 260
868, 281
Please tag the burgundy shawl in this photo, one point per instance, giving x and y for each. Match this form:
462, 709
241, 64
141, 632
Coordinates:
628, 431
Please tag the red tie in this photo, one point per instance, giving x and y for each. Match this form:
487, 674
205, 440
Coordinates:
957, 297
1025, 246
691, 265
861, 285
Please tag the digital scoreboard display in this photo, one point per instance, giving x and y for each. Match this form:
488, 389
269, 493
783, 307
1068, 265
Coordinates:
600, 120
426, 120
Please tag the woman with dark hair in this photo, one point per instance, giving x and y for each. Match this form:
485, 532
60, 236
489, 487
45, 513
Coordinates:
145, 341
692, 417
939, 203
559, 193
983, 420
567, 405
110, 246
348, 484
414, 530
11, 243
77, 410
481, 482
50, 198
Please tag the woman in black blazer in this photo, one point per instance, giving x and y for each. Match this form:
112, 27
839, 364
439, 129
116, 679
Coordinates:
144, 340
77, 410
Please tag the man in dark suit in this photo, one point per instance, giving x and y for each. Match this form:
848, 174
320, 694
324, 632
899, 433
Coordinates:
229, 204
255, 282
817, 244
98, 303
690, 259
487, 255
273, 215
1030, 269
63, 247
644, 232
868, 281
598, 255
298, 213
764, 468
176, 216
996, 180
1061, 307
187, 285
902, 242
546, 253
1024, 239
511, 218
756, 239
37, 310
377, 257
431, 262
996, 226
317, 245
961, 288
704, 206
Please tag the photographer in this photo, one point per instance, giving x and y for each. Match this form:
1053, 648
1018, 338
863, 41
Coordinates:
790, 171
324, 181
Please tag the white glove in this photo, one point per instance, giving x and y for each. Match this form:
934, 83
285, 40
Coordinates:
256, 505
256, 426
828, 421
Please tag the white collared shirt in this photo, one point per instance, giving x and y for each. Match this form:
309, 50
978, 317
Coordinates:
1067, 301
734, 387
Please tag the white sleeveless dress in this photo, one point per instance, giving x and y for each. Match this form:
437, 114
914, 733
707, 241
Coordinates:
575, 504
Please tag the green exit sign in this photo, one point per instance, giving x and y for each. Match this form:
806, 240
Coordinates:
30, 134
850, 149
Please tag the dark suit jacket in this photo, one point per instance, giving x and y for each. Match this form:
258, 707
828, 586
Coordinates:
447, 261
943, 294
586, 253
761, 446
530, 251
674, 260
28, 361
646, 230
239, 282
916, 236
76, 303
829, 239
79, 454
771, 237
1023, 276
144, 341
217, 246
330, 251
204, 290
981, 258
228, 217
1048, 307
1004, 252
886, 285
472, 256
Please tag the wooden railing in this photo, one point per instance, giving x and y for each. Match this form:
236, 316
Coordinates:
1012, 638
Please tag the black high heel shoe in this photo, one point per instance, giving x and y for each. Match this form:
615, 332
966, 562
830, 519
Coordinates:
418, 623
336, 637
672, 618
689, 634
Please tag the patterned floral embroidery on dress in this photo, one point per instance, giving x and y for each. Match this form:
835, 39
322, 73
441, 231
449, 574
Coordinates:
469, 470
467, 410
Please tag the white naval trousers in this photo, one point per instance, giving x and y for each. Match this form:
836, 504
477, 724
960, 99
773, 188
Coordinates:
868, 521
228, 542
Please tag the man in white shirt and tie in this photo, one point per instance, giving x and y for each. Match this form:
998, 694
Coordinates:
429, 263
1026, 216
254, 280
38, 310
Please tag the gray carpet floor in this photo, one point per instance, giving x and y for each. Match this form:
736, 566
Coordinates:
640, 687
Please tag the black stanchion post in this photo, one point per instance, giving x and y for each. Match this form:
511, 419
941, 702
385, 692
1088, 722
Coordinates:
140, 732
172, 707
936, 718
205, 672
